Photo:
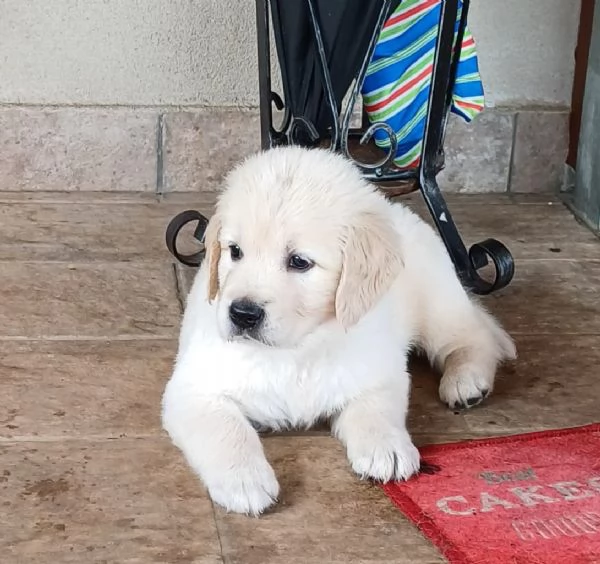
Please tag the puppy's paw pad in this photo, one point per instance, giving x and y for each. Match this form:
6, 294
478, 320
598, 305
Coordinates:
245, 489
471, 402
465, 390
384, 458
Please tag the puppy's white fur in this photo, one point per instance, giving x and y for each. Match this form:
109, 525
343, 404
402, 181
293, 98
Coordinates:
335, 339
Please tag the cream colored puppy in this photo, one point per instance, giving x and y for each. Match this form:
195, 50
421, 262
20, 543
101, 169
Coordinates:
313, 292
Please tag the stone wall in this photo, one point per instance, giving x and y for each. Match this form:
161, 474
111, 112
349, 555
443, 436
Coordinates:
162, 150
148, 95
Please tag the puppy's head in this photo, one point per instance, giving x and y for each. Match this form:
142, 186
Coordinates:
298, 240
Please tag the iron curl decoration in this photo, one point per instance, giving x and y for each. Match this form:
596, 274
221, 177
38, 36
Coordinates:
276, 99
301, 122
386, 162
468, 262
278, 134
325, 77
379, 166
504, 266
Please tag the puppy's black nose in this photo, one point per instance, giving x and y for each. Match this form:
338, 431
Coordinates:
245, 314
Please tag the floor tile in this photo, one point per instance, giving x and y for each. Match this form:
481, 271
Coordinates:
109, 312
185, 275
124, 501
471, 166
88, 231
544, 296
88, 300
427, 415
553, 384
326, 514
544, 230
78, 149
66, 389
81, 229
549, 297
58, 197
200, 147
539, 230
539, 152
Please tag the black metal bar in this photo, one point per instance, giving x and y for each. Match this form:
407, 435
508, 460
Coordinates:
325, 76
378, 167
462, 26
279, 136
445, 66
382, 171
466, 262
394, 175
436, 115
440, 81
264, 73
447, 54
460, 34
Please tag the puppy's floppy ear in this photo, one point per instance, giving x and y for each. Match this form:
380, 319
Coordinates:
371, 263
213, 255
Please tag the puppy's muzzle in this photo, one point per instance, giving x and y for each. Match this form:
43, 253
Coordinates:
246, 315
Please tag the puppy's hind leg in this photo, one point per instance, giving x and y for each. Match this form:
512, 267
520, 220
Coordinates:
466, 344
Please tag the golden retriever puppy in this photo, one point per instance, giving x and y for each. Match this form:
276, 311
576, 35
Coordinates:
313, 292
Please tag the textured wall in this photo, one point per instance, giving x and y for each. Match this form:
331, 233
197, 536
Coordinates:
127, 51
587, 187
526, 49
202, 52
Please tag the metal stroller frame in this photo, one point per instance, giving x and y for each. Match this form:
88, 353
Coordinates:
467, 262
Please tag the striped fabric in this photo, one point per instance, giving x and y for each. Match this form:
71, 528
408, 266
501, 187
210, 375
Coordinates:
397, 85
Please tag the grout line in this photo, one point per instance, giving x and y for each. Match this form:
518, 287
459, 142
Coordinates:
151, 200
511, 161
296, 433
167, 260
580, 217
160, 138
173, 338
86, 262
217, 530
92, 262
108, 106
555, 259
553, 334
73, 438
87, 338
248, 106
178, 288
160, 436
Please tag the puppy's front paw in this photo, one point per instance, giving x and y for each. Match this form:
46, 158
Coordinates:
249, 488
465, 387
383, 457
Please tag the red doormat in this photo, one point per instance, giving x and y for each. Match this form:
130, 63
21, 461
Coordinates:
527, 499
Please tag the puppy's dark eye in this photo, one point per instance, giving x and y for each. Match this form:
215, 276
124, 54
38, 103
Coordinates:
298, 263
235, 251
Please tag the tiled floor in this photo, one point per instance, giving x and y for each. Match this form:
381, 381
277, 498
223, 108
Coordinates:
88, 325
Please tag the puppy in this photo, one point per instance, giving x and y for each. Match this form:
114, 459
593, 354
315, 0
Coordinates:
313, 291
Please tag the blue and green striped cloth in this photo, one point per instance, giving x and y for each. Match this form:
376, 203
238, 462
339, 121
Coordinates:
397, 84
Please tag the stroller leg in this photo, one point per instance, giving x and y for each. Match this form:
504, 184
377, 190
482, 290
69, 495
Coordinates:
467, 263
264, 73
